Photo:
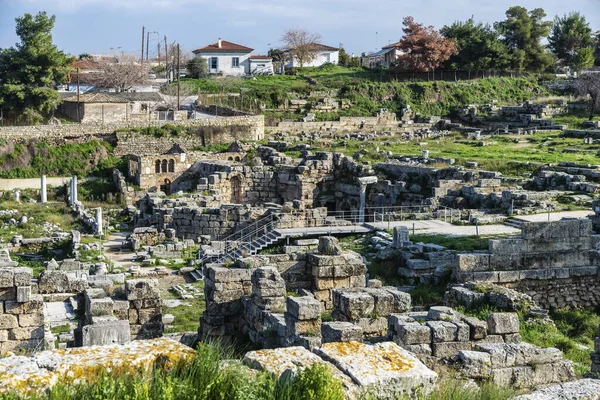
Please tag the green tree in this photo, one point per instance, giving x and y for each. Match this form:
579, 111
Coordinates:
343, 58
197, 67
523, 32
479, 46
29, 71
584, 59
570, 34
597, 47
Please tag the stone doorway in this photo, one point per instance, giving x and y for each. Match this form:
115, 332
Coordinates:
166, 187
236, 190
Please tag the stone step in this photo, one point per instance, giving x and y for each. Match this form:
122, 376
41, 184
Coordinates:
514, 222
196, 275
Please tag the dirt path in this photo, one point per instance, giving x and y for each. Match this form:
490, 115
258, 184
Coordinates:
114, 252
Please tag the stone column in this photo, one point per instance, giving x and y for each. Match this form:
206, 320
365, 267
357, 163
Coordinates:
363, 182
43, 193
74, 190
17, 195
99, 221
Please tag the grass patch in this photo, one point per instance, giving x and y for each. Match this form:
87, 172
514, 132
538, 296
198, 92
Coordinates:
460, 243
37, 213
455, 389
57, 330
428, 295
187, 316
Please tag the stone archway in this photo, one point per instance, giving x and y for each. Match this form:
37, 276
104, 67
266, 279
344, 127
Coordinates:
236, 190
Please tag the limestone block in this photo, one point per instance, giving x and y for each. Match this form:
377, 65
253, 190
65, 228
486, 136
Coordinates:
27, 320
8, 321
384, 301
441, 313
26, 333
377, 326
99, 307
222, 274
413, 333
505, 355
266, 282
477, 328
108, 333
23, 294
6, 278
303, 308
507, 262
442, 331
329, 245
491, 276
383, 370
8, 294
507, 246
463, 332
501, 323
277, 361
353, 304
149, 315
23, 276
419, 349
475, 364
337, 331
584, 389
302, 328
53, 282
140, 289
449, 349
473, 262
512, 338
418, 265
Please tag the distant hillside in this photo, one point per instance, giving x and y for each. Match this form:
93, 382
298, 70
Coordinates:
363, 91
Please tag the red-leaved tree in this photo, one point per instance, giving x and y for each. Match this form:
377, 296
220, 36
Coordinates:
424, 48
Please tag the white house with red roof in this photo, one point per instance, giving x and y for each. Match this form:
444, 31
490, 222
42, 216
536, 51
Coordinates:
324, 54
229, 58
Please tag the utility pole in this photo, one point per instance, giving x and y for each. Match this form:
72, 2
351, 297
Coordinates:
167, 58
147, 43
159, 54
78, 116
178, 76
143, 29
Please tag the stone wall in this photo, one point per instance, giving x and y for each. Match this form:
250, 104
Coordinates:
553, 262
21, 312
210, 131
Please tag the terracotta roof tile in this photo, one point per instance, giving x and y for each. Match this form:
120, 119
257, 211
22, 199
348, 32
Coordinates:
225, 46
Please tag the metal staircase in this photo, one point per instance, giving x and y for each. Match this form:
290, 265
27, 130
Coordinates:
246, 242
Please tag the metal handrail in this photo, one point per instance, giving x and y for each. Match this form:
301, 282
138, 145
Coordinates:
239, 240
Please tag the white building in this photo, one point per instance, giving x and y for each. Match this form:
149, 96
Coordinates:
325, 54
228, 58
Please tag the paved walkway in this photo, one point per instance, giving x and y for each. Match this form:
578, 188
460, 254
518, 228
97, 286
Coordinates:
113, 250
435, 227
556, 216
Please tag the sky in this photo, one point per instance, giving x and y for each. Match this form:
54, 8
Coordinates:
105, 26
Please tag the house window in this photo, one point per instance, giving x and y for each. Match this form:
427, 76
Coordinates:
214, 62
235, 61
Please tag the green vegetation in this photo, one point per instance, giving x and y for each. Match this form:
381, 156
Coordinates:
428, 295
187, 315
209, 375
90, 158
510, 155
460, 243
573, 332
57, 330
30, 70
367, 90
455, 389
54, 213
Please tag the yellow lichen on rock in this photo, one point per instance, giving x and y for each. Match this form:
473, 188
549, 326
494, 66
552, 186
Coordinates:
31, 375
